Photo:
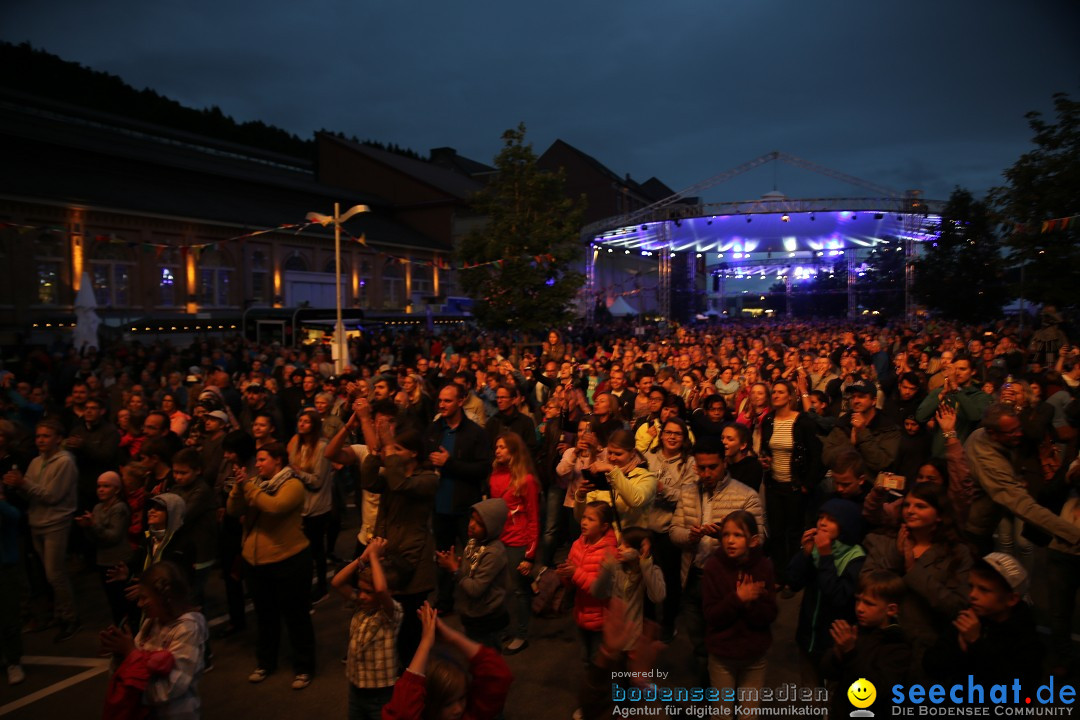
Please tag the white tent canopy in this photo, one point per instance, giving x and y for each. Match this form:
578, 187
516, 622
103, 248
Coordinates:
621, 308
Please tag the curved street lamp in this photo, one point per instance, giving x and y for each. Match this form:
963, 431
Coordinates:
341, 352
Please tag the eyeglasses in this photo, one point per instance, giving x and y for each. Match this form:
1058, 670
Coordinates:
672, 433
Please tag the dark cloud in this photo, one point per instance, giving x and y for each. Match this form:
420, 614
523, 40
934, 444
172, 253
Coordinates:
923, 94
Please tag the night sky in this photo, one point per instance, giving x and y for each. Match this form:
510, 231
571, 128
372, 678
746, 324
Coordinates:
906, 95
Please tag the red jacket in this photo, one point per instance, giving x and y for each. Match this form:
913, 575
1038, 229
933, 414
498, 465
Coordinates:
490, 685
522, 527
586, 559
735, 630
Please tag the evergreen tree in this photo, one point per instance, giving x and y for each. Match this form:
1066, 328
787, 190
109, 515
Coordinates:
961, 274
528, 245
1044, 185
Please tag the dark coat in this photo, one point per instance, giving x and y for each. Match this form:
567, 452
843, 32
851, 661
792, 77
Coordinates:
406, 503
1005, 651
881, 655
735, 630
469, 463
807, 469
829, 596
517, 422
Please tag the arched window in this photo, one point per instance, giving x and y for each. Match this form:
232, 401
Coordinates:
259, 264
215, 279
393, 285
295, 262
49, 263
111, 268
170, 278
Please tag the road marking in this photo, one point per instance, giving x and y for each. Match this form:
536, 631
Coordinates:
96, 667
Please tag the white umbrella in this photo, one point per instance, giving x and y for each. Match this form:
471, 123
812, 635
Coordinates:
86, 317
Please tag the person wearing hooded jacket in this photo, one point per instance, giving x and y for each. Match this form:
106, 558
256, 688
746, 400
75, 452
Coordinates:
165, 539
827, 566
480, 575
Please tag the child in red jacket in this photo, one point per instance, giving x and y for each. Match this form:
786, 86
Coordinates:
582, 567
440, 688
739, 596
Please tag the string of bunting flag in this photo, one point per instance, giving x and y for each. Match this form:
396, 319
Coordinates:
1046, 226
440, 262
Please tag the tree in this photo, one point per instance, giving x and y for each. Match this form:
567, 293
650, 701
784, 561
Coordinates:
880, 283
961, 275
1044, 185
527, 247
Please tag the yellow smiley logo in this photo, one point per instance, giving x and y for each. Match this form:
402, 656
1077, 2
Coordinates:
862, 693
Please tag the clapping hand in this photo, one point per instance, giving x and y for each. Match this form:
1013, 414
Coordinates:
116, 641
844, 636
447, 559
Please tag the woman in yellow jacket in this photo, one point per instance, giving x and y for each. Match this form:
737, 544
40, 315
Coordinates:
277, 561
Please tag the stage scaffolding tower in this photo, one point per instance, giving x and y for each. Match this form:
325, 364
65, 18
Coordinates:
664, 286
590, 284
913, 216
852, 280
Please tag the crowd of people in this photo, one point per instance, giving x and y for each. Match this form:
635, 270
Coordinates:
899, 482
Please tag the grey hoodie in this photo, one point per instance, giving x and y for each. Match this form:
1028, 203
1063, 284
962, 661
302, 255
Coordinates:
175, 509
482, 575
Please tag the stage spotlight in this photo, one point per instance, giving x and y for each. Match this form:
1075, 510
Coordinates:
812, 218
609, 249
644, 227
627, 252
749, 219
878, 216
854, 216
785, 218
899, 218
709, 222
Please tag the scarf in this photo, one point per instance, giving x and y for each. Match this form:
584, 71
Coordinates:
842, 553
727, 388
271, 486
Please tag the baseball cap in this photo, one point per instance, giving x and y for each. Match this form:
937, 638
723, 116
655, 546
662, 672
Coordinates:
1010, 570
862, 386
219, 415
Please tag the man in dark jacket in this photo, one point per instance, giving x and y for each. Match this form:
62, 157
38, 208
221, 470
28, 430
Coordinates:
95, 443
510, 417
462, 452
870, 433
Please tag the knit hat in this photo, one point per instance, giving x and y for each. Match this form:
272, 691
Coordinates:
848, 516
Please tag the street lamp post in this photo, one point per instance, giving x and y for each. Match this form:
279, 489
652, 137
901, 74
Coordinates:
341, 352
